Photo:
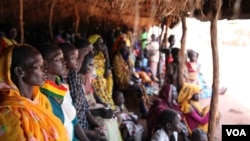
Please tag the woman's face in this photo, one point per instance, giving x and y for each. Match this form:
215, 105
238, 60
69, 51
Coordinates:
90, 66
99, 44
193, 57
196, 97
33, 70
72, 59
120, 99
174, 93
55, 63
13, 33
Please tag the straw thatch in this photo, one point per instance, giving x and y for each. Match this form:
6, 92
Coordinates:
103, 11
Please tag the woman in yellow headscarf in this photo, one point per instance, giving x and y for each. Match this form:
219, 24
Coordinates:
103, 83
25, 114
195, 115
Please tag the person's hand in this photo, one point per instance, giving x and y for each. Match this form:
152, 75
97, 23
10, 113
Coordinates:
98, 133
86, 50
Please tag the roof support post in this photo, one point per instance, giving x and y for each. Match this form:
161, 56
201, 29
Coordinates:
182, 57
51, 19
77, 17
215, 6
21, 21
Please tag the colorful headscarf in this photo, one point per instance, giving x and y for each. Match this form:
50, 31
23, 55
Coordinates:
22, 118
93, 38
186, 93
166, 94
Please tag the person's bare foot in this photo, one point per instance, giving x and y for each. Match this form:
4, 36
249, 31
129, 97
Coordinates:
223, 90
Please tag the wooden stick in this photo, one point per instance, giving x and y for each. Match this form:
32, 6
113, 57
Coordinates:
137, 17
21, 22
77, 18
182, 53
215, 8
159, 68
51, 18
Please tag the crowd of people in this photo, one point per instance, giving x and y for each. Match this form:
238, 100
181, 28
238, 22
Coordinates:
94, 89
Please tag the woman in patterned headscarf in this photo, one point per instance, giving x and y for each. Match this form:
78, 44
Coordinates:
136, 99
25, 114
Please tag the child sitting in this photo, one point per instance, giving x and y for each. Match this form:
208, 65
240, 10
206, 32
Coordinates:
170, 126
143, 73
127, 121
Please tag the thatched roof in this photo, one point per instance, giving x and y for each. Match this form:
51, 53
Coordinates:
107, 12
125, 11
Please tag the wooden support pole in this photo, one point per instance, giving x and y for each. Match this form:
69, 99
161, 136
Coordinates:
51, 19
215, 6
21, 22
159, 68
77, 18
182, 56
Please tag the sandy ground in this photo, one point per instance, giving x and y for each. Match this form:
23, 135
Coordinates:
234, 73
234, 54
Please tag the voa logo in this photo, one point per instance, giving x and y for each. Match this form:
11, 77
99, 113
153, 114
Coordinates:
236, 132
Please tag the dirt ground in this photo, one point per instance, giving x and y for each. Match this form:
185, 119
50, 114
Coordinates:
233, 112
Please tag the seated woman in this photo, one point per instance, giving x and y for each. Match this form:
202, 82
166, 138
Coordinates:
88, 74
195, 115
103, 83
194, 76
91, 128
129, 126
136, 99
169, 126
102, 114
58, 92
25, 113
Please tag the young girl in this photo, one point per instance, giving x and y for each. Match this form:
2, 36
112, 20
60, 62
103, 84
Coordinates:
127, 121
194, 76
58, 93
170, 126
88, 74
92, 129
102, 114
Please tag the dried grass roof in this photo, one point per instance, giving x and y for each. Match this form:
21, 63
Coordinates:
103, 11
125, 11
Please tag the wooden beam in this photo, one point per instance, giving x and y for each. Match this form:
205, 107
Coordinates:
159, 68
215, 6
51, 19
182, 53
77, 18
21, 22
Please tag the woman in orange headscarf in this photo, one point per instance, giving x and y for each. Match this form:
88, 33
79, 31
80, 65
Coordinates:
195, 115
25, 114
